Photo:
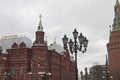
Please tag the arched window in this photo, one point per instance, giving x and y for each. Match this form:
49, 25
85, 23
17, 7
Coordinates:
21, 70
22, 45
14, 45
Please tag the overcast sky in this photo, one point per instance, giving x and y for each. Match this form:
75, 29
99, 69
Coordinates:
59, 17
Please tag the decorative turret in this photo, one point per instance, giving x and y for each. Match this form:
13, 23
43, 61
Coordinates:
39, 33
117, 3
113, 47
116, 24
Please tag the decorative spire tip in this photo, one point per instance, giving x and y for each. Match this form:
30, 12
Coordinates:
117, 2
40, 27
110, 26
40, 16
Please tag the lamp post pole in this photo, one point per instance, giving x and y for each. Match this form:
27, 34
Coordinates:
86, 74
74, 46
76, 58
81, 73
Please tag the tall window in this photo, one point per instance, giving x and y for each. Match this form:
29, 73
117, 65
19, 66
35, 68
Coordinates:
21, 70
13, 70
21, 56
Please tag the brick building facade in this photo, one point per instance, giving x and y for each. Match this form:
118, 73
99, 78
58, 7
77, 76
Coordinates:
113, 46
20, 59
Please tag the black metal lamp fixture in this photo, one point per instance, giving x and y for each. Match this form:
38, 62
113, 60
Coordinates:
71, 46
65, 40
74, 46
75, 34
83, 42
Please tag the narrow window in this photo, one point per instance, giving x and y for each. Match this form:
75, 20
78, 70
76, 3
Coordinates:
13, 70
21, 70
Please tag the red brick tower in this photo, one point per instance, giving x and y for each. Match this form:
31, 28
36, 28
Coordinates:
39, 33
113, 46
39, 52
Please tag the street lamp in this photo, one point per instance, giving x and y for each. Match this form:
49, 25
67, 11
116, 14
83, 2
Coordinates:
81, 73
65, 41
86, 74
74, 46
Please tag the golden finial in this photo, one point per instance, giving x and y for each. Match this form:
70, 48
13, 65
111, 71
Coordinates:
40, 16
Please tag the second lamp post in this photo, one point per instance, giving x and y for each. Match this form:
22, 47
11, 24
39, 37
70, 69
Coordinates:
75, 47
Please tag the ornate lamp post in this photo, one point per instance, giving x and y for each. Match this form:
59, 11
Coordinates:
74, 46
81, 73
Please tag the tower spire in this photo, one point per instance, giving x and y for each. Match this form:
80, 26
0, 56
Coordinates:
39, 33
117, 2
40, 27
116, 23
